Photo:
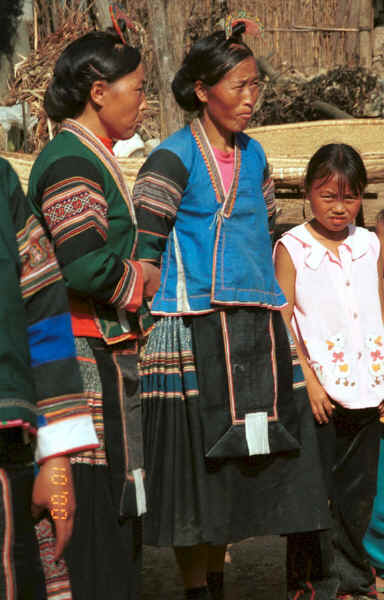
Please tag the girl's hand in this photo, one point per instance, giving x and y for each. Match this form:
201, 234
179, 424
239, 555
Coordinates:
151, 276
321, 404
53, 491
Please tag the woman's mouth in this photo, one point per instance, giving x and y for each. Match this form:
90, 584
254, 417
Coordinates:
338, 220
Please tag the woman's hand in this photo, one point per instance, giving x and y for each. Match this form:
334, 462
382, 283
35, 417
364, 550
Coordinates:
321, 404
53, 491
381, 409
151, 276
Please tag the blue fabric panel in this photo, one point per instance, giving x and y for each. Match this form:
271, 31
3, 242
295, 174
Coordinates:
41, 421
51, 339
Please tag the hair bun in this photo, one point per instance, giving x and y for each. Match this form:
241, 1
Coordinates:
183, 88
238, 29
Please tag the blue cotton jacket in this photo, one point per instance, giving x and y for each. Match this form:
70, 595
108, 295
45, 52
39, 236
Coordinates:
215, 247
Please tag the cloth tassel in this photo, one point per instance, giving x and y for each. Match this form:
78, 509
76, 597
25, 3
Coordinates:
256, 433
140, 492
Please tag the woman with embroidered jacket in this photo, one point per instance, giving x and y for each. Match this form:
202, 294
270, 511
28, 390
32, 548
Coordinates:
78, 192
222, 433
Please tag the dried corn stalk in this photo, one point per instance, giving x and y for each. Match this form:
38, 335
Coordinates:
33, 73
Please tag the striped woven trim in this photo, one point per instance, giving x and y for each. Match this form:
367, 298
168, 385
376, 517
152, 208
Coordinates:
109, 161
269, 196
94, 393
73, 206
167, 368
63, 407
226, 199
39, 265
125, 287
58, 586
158, 194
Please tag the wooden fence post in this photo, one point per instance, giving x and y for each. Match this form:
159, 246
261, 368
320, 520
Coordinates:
366, 23
164, 36
102, 13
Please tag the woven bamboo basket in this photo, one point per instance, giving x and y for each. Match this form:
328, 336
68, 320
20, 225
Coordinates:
22, 163
288, 149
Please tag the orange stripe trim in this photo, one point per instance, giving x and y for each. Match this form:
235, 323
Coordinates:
6, 553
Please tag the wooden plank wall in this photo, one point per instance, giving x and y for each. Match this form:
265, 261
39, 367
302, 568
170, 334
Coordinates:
308, 34
295, 31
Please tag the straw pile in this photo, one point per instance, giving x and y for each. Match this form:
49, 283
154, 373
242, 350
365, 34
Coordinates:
35, 71
291, 97
289, 147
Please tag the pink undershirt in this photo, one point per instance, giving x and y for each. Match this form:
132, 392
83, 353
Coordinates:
226, 162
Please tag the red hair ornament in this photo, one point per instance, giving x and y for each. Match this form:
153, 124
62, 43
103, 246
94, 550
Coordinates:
253, 26
118, 18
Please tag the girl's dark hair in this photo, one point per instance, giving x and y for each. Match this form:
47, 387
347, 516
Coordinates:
208, 60
339, 159
97, 55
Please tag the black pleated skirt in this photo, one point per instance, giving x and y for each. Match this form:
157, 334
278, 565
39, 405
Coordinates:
194, 498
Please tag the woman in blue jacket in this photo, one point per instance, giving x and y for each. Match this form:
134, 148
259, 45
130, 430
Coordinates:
222, 432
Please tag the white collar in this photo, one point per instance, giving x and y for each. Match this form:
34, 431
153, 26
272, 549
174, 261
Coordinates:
357, 242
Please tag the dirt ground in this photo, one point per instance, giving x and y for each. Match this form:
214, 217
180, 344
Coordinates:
257, 572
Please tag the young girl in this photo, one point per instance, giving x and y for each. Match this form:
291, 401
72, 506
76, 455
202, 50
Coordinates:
329, 272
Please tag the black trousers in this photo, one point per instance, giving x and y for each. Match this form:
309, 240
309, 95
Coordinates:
334, 562
21, 574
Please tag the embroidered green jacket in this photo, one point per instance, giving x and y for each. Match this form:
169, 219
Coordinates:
78, 192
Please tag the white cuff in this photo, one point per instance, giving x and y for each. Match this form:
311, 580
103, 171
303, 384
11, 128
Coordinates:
64, 437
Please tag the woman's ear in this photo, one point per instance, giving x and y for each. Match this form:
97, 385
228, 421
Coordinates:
201, 91
98, 92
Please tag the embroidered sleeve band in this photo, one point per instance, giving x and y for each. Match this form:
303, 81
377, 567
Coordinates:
157, 196
76, 213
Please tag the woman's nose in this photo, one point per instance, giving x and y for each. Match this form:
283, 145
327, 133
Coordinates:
248, 96
144, 104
